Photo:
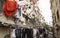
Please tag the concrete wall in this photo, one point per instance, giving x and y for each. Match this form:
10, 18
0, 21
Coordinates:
55, 7
3, 31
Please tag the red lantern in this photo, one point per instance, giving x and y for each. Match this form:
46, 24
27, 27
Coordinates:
9, 7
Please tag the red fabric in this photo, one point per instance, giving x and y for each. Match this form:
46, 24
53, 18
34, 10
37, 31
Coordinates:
10, 7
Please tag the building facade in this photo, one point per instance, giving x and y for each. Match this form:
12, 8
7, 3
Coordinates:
55, 7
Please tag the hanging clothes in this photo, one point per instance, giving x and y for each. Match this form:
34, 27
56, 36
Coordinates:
40, 30
44, 33
9, 7
13, 34
36, 10
18, 13
19, 10
20, 33
29, 33
34, 33
37, 35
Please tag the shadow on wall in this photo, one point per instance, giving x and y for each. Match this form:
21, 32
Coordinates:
6, 36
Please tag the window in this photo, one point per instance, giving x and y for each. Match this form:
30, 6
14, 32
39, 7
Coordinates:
55, 18
57, 14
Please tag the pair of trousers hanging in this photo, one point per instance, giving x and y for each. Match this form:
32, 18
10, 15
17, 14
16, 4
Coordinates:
20, 33
29, 33
18, 13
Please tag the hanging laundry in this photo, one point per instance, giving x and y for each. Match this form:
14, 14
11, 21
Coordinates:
29, 33
9, 7
13, 34
36, 9
29, 8
38, 34
19, 10
20, 33
34, 33
18, 13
